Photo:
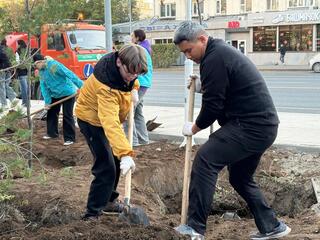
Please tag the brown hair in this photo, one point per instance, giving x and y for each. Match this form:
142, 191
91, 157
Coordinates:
134, 58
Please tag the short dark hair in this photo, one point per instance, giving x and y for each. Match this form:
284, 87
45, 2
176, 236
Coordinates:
188, 31
4, 42
38, 57
140, 34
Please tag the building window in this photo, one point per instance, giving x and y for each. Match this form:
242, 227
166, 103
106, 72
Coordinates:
301, 3
168, 10
296, 37
245, 6
318, 38
264, 39
272, 5
55, 41
163, 41
242, 6
221, 6
195, 8
248, 5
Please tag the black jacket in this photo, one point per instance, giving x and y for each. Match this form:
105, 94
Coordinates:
107, 72
21, 70
232, 88
4, 60
283, 50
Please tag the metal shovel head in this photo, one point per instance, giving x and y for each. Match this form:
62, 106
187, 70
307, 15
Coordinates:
134, 215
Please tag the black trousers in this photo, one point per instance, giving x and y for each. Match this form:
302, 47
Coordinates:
105, 169
68, 123
238, 146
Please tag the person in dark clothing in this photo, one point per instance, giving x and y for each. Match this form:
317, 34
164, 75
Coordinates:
235, 94
282, 51
102, 106
5, 77
22, 71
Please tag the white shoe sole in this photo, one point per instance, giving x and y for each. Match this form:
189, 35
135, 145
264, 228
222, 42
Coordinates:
279, 235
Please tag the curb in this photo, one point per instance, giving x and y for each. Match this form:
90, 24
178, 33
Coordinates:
260, 68
199, 141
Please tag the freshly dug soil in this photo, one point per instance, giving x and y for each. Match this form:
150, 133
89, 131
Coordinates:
49, 205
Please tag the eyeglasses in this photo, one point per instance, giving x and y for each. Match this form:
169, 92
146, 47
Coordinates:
129, 74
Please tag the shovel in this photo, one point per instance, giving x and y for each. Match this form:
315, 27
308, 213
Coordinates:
187, 160
43, 113
130, 214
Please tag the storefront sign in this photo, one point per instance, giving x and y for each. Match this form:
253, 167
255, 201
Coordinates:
233, 24
164, 27
297, 17
284, 18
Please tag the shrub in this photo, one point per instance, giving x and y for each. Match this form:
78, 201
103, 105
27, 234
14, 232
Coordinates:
164, 55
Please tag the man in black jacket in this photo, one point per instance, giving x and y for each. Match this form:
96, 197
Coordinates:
235, 94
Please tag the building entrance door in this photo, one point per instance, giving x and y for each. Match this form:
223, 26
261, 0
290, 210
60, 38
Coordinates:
238, 44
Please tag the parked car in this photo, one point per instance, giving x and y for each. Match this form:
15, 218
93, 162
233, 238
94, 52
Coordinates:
314, 63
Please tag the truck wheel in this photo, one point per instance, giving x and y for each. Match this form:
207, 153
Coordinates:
316, 67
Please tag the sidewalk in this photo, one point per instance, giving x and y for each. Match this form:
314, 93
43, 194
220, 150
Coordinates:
280, 67
296, 130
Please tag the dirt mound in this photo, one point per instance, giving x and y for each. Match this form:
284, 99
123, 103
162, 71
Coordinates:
51, 208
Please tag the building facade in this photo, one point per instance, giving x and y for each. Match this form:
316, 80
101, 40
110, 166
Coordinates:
255, 27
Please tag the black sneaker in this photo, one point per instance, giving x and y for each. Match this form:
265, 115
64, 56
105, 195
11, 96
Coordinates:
113, 207
280, 231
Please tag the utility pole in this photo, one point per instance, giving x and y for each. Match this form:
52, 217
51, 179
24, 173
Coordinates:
130, 17
108, 25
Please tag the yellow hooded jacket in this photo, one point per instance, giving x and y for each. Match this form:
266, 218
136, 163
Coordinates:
105, 100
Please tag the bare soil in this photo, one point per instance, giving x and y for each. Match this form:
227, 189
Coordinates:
49, 206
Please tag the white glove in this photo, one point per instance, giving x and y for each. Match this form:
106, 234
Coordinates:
196, 78
126, 164
187, 129
135, 96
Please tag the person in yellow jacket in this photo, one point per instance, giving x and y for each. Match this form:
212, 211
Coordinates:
102, 106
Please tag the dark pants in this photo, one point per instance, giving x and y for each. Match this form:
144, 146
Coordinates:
238, 146
282, 58
69, 132
105, 169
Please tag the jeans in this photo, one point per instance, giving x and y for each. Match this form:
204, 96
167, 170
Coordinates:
239, 146
5, 89
23, 80
105, 169
68, 123
282, 58
140, 132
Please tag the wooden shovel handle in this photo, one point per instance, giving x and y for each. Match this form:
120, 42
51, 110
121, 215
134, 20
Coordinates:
55, 103
127, 186
187, 160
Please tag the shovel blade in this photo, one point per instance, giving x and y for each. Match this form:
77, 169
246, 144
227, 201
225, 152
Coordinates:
134, 215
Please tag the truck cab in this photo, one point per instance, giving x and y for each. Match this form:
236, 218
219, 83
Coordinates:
77, 45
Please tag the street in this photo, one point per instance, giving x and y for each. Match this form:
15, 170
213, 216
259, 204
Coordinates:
292, 91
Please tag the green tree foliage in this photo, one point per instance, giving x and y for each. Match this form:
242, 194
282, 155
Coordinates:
13, 15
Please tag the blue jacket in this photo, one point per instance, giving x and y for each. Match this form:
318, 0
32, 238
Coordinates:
57, 81
146, 79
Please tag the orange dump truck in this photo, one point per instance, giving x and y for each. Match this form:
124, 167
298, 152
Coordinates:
77, 45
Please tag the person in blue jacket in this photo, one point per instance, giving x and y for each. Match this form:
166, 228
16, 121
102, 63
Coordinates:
140, 132
56, 83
